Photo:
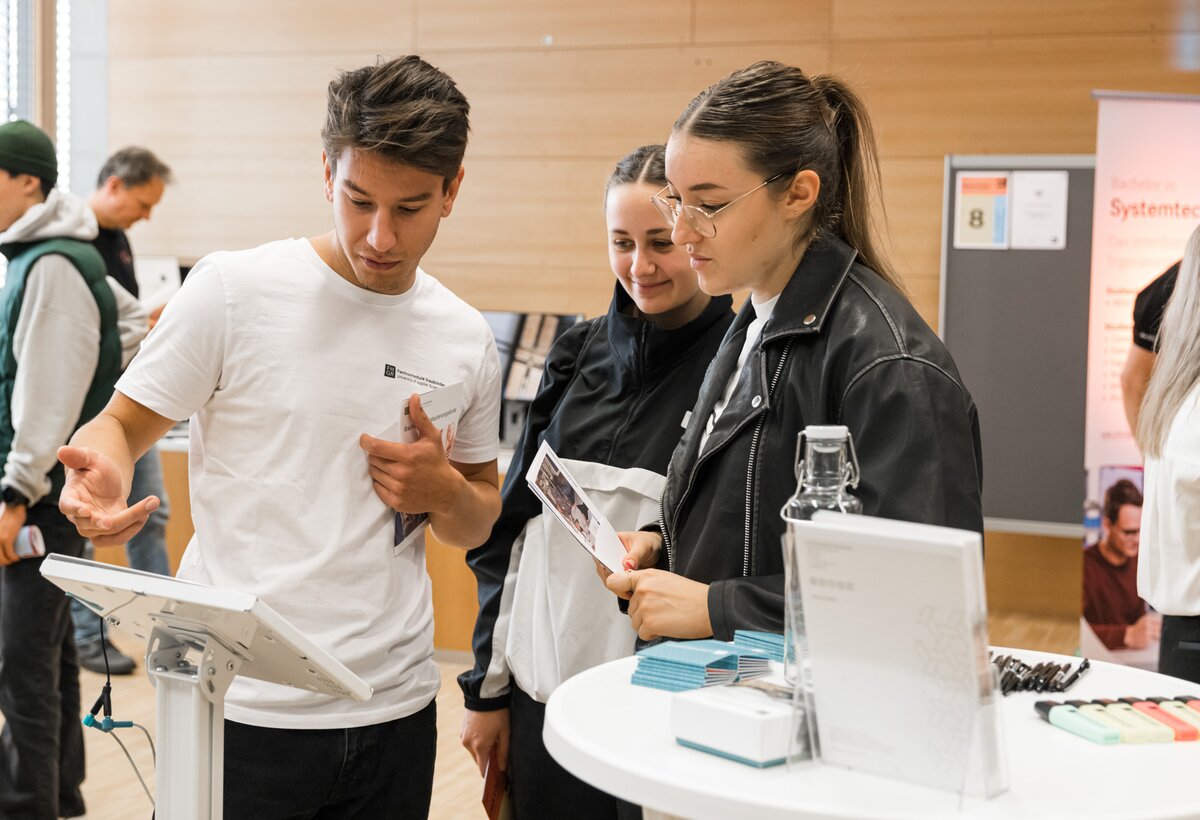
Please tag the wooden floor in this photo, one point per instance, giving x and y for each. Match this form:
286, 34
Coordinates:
113, 793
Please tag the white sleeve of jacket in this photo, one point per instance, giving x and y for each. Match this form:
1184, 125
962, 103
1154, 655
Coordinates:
56, 345
133, 321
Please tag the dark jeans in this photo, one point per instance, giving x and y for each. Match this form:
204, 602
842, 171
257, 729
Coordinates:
1179, 652
41, 746
540, 787
384, 770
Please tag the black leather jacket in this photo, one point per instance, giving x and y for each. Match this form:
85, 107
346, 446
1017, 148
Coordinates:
841, 347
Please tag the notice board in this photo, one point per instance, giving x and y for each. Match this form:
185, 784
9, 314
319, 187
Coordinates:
1016, 322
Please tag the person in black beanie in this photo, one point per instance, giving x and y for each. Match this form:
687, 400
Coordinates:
60, 355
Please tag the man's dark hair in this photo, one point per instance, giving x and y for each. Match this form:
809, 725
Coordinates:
1118, 495
134, 166
404, 109
47, 185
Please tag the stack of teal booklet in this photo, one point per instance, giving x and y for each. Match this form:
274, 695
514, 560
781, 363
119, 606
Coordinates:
677, 666
770, 643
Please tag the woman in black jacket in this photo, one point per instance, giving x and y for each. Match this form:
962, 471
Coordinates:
613, 404
772, 175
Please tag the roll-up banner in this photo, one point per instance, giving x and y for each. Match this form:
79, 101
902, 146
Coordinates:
1147, 204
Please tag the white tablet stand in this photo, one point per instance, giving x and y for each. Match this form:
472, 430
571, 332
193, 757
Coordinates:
198, 638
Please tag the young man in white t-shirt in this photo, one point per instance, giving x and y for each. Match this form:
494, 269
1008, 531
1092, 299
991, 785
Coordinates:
290, 358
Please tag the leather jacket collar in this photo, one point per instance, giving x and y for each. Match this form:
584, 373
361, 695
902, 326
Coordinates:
811, 292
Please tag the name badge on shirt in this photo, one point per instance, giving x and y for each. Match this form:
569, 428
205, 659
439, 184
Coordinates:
686, 418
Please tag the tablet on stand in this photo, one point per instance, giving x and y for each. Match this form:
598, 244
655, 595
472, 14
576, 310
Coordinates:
198, 639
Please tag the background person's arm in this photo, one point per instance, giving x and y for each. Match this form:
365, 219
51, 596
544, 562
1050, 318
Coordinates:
1135, 378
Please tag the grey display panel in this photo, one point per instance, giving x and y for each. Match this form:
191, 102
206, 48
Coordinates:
1016, 322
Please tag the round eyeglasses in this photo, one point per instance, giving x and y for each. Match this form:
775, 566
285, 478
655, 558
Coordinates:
698, 219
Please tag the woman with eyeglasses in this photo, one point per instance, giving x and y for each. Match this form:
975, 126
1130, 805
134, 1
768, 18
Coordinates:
612, 404
771, 176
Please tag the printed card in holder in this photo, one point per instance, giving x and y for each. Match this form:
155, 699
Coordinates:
444, 407
897, 639
561, 494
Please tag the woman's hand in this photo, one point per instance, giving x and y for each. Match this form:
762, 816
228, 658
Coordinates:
642, 548
663, 604
483, 732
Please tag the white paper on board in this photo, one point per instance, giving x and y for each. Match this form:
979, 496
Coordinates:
1039, 210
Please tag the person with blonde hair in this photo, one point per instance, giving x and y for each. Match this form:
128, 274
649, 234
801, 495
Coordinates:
1169, 435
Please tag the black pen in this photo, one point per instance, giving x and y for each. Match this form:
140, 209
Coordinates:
1074, 676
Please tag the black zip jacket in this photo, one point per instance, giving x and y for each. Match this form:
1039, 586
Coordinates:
616, 391
841, 347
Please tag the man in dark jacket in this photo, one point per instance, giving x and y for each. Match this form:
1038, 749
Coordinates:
130, 185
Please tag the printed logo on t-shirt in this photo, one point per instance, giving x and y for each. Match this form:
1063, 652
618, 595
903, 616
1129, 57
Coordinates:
389, 370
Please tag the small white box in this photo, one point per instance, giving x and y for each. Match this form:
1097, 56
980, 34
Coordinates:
735, 722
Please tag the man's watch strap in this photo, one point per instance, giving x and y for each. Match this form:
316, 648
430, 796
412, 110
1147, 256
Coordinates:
13, 497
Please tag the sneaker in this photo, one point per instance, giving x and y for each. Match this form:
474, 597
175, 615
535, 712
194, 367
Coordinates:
91, 658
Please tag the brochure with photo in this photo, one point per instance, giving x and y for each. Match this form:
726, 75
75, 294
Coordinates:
561, 494
443, 405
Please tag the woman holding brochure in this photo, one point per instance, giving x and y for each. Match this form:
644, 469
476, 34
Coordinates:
1169, 434
772, 180
612, 405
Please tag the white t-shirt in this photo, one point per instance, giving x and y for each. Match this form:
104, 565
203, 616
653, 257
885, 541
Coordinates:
284, 364
1169, 559
762, 312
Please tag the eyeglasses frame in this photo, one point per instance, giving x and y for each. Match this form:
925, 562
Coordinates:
671, 208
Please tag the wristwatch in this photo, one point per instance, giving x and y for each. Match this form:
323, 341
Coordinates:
13, 497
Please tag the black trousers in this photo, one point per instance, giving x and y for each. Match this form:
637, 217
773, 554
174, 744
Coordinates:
540, 787
379, 771
41, 746
1179, 652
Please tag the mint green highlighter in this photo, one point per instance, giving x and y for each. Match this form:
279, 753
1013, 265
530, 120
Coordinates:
1072, 720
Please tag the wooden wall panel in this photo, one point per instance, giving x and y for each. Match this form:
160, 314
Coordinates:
591, 103
490, 26
529, 288
912, 192
527, 231
767, 21
1034, 574
242, 136
455, 595
1027, 95
233, 27
926, 19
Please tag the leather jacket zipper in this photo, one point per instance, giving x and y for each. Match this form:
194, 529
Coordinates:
753, 455
662, 509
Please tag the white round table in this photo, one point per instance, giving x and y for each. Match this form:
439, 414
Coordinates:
617, 737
